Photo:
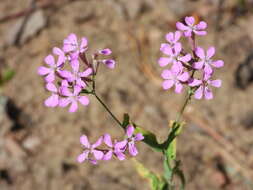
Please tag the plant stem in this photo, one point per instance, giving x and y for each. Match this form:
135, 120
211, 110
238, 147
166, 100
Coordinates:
108, 110
188, 98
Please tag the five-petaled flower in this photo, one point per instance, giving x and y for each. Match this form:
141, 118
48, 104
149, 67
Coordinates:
191, 28
205, 60
176, 76
90, 149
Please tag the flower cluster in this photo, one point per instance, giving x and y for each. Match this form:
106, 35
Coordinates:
117, 148
66, 77
185, 65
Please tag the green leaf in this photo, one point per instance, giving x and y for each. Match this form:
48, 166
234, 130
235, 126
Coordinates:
126, 120
156, 183
6, 76
177, 171
149, 138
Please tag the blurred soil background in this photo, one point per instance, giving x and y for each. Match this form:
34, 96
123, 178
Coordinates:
39, 145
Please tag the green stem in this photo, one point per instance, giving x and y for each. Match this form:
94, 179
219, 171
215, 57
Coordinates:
108, 110
187, 100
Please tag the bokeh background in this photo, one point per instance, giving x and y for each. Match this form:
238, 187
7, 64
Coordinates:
39, 145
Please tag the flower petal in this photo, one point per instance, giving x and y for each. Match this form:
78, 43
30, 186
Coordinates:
132, 149
84, 141
199, 93
82, 157
218, 63
51, 87
108, 155
110, 63
63, 102
163, 61
108, 140
97, 143
177, 48
52, 101
106, 51
198, 65
181, 26
119, 146
138, 137
178, 87
50, 60
208, 93
83, 45
120, 155
167, 74
189, 20
194, 82
43, 70
86, 73
50, 77
73, 107
200, 52
183, 77
177, 36
84, 100
167, 84
98, 154
216, 83
170, 37
129, 131
210, 52
185, 58
200, 33
201, 25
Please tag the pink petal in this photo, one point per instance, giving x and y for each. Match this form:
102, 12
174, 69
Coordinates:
120, 155
190, 20
94, 162
43, 70
194, 82
75, 65
98, 154
188, 33
72, 39
63, 102
208, 93
65, 91
50, 77
110, 63
80, 83
52, 101
199, 93
178, 48
178, 87
216, 83
138, 137
208, 69
183, 77
129, 131
77, 90
210, 52
58, 51
106, 51
200, 33
176, 68
132, 149
82, 157
97, 143
73, 107
200, 52
84, 44
177, 36
83, 100
167, 50
167, 74
120, 145
67, 75
84, 141
50, 60
185, 58
163, 61
86, 73
107, 140
167, 84
108, 155
218, 63
170, 37
181, 26
201, 25
51, 87
163, 45
198, 65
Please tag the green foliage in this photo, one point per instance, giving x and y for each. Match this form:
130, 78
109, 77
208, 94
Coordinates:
5, 76
156, 182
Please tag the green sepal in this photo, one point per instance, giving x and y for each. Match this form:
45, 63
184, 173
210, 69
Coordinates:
6, 76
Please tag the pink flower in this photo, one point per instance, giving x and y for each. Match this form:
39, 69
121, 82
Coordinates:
206, 61
71, 45
173, 55
110, 63
90, 149
132, 139
106, 51
117, 148
175, 76
50, 71
204, 87
72, 98
53, 100
191, 27
75, 76
173, 38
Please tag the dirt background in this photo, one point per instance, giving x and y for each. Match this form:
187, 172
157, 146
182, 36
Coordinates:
39, 146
